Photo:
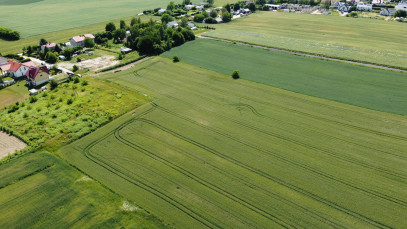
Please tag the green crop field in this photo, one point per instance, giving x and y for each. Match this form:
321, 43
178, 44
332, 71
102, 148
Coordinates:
366, 87
50, 16
40, 191
376, 41
222, 153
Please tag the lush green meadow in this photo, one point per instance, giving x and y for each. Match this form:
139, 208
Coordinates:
376, 41
222, 153
361, 86
41, 191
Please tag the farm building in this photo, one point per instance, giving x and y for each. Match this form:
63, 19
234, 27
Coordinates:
364, 7
50, 46
173, 24
78, 40
37, 76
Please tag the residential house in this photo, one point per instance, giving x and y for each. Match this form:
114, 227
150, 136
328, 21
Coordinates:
273, 6
341, 6
3, 61
219, 20
190, 6
364, 7
401, 6
16, 69
161, 11
124, 50
37, 76
173, 24
377, 2
353, 1
78, 40
384, 11
201, 7
192, 26
50, 46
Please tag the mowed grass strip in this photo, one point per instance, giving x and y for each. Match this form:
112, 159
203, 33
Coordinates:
361, 39
216, 152
13, 94
41, 191
361, 86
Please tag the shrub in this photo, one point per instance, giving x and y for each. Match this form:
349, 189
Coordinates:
76, 79
33, 99
175, 59
78, 60
353, 14
8, 34
84, 83
199, 18
235, 75
210, 20
75, 68
69, 101
53, 84
400, 13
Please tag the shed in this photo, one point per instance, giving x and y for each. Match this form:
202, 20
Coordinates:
33, 92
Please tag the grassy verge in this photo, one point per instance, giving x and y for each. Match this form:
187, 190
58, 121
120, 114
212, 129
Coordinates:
12, 94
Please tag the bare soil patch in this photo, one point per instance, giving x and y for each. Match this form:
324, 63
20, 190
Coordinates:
93, 64
9, 144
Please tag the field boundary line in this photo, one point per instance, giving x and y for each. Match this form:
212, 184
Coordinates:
306, 54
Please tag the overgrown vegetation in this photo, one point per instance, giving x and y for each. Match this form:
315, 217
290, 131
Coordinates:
68, 112
8, 34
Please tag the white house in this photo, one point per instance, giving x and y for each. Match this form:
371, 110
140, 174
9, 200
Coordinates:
273, 6
192, 26
16, 69
384, 11
190, 6
78, 40
364, 7
401, 6
173, 24
161, 11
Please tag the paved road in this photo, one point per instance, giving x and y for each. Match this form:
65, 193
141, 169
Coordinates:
38, 62
305, 54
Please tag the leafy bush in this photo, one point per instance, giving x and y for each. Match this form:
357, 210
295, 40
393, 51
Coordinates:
69, 101
235, 75
53, 84
75, 68
400, 13
76, 79
199, 18
175, 59
8, 34
33, 99
85, 83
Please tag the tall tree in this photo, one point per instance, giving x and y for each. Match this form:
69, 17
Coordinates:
110, 27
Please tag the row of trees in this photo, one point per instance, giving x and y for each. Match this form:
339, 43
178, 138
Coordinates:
8, 34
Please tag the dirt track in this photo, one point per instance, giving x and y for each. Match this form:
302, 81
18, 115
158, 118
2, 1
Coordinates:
9, 144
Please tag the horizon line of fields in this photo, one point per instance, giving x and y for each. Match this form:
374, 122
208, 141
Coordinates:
363, 39
211, 151
348, 83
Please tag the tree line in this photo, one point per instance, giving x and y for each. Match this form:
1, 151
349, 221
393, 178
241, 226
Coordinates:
8, 34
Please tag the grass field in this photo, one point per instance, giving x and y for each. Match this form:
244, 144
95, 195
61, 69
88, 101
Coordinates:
360, 86
13, 94
222, 153
40, 191
60, 36
376, 41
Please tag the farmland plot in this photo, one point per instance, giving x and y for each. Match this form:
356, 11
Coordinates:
360, 39
216, 152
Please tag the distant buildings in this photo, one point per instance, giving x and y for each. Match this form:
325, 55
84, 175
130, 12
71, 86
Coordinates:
173, 24
364, 7
78, 40
50, 46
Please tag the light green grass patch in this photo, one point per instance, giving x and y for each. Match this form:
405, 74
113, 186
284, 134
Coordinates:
40, 191
216, 152
13, 94
375, 41
361, 86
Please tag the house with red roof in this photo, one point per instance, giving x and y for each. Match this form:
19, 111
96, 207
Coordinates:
37, 76
78, 40
16, 69
50, 46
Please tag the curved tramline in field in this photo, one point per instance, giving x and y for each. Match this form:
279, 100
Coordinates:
213, 152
